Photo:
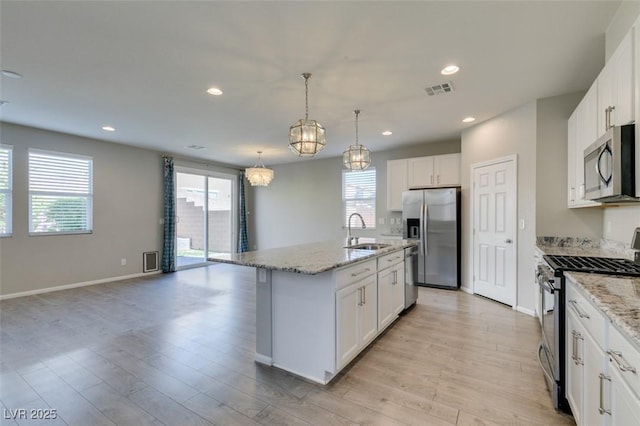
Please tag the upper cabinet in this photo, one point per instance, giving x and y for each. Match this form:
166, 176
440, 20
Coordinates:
420, 172
438, 170
611, 100
616, 87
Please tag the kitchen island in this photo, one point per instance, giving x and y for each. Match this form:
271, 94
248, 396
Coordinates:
319, 305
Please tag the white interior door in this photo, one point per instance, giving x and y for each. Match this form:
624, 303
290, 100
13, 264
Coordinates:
494, 230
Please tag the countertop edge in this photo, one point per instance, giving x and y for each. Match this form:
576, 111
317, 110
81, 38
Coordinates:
363, 255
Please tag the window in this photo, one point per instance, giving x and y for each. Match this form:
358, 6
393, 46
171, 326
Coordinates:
359, 195
5, 190
60, 193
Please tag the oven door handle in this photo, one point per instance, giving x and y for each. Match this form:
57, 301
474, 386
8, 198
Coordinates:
544, 370
545, 285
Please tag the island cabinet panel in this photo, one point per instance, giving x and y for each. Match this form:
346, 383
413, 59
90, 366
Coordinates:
303, 329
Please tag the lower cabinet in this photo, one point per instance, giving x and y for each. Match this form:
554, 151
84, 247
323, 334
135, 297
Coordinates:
603, 387
390, 294
356, 318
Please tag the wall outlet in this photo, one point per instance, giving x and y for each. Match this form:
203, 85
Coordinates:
161, 221
123, 262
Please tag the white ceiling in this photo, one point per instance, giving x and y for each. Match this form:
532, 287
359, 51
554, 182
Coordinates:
144, 66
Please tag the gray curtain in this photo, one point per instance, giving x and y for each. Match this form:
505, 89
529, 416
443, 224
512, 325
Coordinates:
169, 238
243, 238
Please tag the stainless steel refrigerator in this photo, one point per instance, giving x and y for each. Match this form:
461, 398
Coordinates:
433, 217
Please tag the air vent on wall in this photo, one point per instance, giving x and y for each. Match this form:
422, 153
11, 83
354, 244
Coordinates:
439, 89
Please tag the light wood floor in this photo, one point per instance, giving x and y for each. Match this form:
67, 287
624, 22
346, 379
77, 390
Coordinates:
177, 349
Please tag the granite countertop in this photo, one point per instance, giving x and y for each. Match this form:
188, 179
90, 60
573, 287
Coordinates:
618, 297
313, 258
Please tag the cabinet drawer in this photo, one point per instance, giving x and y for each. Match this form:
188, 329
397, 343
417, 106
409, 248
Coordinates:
390, 259
625, 358
353, 273
591, 318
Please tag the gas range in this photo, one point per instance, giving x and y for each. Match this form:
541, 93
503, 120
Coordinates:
593, 265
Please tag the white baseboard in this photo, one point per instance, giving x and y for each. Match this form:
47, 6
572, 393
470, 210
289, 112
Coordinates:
75, 285
263, 359
527, 311
467, 289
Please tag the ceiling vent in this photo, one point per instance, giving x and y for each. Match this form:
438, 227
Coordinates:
196, 147
439, 89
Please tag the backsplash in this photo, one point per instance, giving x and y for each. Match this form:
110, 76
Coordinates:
615, 247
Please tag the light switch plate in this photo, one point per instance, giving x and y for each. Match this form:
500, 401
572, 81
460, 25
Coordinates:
381, 221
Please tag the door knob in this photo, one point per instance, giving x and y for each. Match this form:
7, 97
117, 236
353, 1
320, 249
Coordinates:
508, 241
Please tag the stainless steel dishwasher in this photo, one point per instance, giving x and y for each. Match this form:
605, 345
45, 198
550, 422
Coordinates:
410, 275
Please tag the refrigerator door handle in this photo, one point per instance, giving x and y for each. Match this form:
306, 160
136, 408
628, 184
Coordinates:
423, 227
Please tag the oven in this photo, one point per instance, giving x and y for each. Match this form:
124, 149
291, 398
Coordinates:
551, 297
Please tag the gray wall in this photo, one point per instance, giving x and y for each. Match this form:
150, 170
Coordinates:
127, 206
619, 26
513, 132
553, 218
304, 202
537, 133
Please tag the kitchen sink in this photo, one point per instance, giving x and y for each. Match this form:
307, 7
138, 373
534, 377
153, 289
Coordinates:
368, 246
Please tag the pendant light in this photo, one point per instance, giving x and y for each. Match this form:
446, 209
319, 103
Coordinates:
259, 175
306, 137
357, 157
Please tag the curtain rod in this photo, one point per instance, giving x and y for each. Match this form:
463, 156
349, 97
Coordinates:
228, 167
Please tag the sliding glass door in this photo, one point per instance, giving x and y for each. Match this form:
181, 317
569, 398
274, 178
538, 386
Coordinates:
205, 208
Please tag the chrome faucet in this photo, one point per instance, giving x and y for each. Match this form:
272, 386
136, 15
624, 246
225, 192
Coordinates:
349, 237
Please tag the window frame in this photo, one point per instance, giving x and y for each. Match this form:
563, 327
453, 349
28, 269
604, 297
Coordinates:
373, 199
8, 193
88, 196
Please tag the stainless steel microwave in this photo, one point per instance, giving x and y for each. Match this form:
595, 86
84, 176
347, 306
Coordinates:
609, 166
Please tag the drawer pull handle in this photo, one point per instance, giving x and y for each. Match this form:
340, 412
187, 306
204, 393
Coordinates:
601, 408
355, 274
617, 357
581, 314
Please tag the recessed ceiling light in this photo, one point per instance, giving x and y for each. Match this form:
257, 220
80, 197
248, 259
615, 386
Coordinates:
108, 128
11, 74
468, 119
450, 69
194, 147
214, 91
387, 133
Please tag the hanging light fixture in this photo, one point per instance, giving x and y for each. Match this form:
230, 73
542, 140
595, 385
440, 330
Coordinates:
306, 137
259, 175
357, 157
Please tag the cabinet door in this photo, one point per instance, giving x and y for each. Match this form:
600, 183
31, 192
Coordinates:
586, 134
625, 405
385, 298
347, 340
595, 383
420, 172
606, 90
398, 289
368, 312
575, 366
447, 170
571, 160
624, 81
396, 183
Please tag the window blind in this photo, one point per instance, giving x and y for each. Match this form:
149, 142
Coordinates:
6, 190
359, 195
60, 193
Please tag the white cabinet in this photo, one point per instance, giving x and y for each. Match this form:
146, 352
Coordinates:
601, 385
396, 183
616, 87
390, 288
420, 172
356, 318
584, 133
572, 142
437, 170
